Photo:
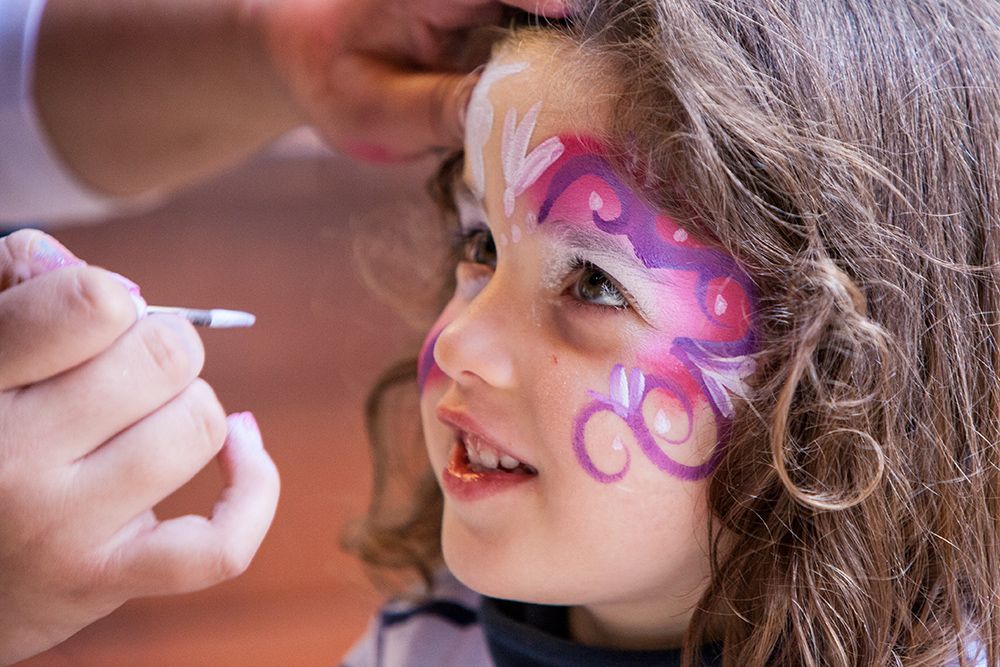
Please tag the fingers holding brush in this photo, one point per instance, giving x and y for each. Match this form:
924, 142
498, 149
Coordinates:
55, 311
101, 417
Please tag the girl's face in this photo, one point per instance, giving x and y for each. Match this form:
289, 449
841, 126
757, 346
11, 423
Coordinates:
576, 388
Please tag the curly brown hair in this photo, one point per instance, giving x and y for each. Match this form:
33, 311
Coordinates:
847, 154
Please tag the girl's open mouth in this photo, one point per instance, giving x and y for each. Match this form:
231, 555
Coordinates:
475, 470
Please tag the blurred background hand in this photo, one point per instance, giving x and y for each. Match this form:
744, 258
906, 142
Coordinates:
156, 95
383, 79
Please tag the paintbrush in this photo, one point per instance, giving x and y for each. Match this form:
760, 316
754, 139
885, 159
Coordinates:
216, 318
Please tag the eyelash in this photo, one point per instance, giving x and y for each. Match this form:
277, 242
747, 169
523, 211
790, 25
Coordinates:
579, 268
469, 242
464, 245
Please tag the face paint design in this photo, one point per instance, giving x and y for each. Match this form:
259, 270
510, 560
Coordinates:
626, 399
520, 168
710, 364
427, 368
479, 122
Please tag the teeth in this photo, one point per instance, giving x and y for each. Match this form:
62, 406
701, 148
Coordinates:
483, 455
489, 458
473, 455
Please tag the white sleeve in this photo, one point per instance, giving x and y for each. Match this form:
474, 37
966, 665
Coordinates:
364, 653
34, 184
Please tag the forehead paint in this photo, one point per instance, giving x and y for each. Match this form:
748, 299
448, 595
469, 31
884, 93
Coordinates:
479, 121
520, 168
582, 186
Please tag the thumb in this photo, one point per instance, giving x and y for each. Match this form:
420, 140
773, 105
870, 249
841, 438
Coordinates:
28, 253
399, 113
189, 553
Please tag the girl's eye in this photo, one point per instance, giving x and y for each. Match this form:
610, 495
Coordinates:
478, 247
593, 286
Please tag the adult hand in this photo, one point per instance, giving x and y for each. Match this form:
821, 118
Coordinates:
101, 417
379, 77
155, 95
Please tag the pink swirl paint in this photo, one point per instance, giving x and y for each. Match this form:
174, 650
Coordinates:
708, 356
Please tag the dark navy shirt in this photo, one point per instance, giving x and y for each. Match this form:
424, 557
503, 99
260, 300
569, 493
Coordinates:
456, 627
530, 635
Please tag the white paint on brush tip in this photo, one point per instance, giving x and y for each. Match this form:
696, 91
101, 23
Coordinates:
216, 318
222, 318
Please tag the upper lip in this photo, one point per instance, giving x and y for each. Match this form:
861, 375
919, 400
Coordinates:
462, 422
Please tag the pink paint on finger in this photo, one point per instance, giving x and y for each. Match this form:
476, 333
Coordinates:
133, 291
51, 255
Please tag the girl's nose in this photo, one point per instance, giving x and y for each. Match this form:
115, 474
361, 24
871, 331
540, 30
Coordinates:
477, 345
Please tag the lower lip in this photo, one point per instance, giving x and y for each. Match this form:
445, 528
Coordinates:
463, 483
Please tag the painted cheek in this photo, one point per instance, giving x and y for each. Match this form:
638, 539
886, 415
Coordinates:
717, 310
470, 279
667, 417
605, 443
728, 305
677, 417
647, 414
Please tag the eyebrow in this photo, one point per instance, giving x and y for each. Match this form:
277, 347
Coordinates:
597, 244
604, 249
612, 253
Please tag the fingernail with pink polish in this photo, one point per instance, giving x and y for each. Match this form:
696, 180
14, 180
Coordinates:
51, 254
133, 291
244, 425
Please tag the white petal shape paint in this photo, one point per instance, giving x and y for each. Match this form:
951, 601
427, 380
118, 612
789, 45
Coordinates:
661, 424
596, 203
720, 305
619, 387
617, 444
479, 121
722, 376
515, 233
520, 168
680, 236
636, 386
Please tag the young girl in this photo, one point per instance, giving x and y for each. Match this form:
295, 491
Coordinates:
716, 383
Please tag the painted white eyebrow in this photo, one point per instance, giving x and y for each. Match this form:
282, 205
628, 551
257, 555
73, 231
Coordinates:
597, 246
612, 253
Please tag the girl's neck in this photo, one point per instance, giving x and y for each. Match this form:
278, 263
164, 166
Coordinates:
626, 626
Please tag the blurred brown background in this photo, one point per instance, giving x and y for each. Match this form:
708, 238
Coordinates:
274, 238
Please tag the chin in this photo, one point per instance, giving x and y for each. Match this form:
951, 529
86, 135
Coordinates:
500, 572
478, 565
